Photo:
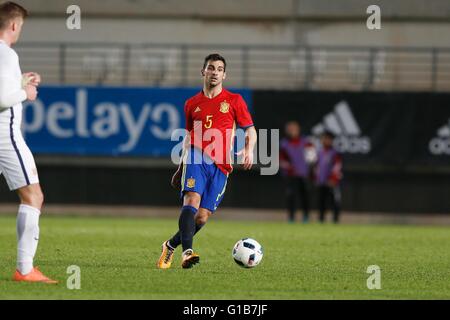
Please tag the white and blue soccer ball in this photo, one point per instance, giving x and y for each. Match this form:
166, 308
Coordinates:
247, 253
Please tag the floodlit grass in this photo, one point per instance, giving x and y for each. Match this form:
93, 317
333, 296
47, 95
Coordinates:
118, 258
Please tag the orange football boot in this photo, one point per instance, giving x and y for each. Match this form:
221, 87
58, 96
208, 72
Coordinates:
165, 260
189, 259
34, 276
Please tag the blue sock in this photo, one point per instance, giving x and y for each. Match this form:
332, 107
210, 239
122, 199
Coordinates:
186, 224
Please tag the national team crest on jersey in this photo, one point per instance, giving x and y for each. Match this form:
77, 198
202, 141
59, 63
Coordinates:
224, 107
190, 183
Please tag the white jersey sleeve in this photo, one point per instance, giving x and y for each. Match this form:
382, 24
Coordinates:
11, 91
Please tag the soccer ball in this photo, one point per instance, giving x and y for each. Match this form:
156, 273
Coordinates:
247, 253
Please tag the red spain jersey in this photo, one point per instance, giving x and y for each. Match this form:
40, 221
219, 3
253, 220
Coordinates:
212, 124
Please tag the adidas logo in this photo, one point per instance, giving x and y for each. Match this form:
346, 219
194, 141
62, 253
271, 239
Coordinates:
348, 134
197, 109
440, 145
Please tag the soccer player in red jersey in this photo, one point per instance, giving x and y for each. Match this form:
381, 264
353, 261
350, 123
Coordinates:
211, 119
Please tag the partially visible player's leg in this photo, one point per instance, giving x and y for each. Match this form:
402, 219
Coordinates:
186, 230
31, 195
168, 247
193, 182
213, 189
304, 198
31, 200
200, 220
18, 166
290, 197
186, 223
336, 198
323, 196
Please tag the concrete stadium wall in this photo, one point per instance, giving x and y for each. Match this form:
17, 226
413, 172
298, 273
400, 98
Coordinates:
260, 9
315, 22
237, 32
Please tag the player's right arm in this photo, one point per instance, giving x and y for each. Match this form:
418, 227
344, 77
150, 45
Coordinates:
9, 95
176, 178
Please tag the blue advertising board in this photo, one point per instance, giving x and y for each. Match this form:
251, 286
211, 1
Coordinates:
107, 121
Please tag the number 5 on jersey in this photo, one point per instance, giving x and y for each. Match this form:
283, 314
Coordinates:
208, 123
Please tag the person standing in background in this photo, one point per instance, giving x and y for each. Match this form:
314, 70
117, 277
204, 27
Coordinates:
295, 168
328, 177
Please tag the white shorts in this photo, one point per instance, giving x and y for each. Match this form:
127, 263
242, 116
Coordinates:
16, 161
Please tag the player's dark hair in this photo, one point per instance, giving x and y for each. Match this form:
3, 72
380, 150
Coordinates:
329, 134
215, 57
10, 10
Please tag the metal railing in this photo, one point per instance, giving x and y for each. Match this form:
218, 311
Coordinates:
258, 67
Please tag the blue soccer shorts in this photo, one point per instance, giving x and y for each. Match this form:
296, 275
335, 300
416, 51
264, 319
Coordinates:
202, 176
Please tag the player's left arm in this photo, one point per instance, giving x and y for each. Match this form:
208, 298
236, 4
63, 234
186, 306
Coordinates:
244, 120
250, 141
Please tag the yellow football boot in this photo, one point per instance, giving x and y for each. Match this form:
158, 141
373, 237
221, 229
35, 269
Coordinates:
189, 258
165, 260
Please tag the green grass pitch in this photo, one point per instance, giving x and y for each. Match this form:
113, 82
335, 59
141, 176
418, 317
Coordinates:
117, 258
